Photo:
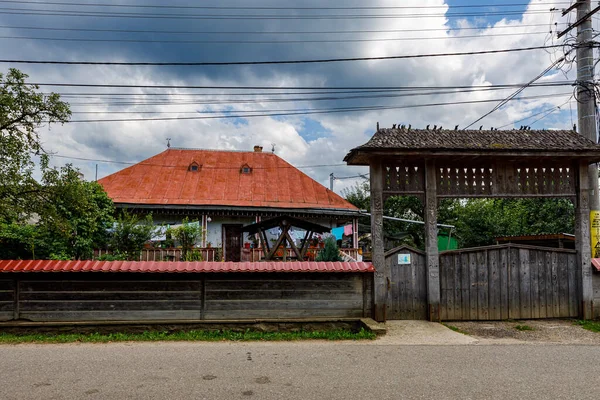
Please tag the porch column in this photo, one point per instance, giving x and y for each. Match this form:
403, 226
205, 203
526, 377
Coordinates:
583, 241
382, 271
204, 230
355, 233
431, 245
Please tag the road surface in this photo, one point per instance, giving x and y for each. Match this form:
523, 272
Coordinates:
298, 370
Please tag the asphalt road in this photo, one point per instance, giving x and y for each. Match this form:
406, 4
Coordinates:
305, 370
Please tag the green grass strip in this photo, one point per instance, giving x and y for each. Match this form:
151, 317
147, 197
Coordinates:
593, 326
192, 335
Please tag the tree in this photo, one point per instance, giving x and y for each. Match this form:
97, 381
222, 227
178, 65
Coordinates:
130, 233
188, 234
22, 111
73, 219
78, 215
330, 252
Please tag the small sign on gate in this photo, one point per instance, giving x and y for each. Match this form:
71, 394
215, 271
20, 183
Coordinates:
403, 259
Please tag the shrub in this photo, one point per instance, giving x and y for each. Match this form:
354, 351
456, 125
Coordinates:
330, 252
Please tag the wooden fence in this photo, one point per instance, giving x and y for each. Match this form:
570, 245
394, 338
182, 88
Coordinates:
408, 286
210, 254
508, 282
153, 254
137, 297
488, 283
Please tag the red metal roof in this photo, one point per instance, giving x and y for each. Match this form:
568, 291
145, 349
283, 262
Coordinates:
180, 266
166, 179
596, 263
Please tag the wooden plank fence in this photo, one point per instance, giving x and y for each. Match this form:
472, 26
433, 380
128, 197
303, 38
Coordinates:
70, 297
489, 283
508, 282
408, 286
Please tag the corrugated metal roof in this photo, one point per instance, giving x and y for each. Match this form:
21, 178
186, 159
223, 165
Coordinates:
180, 266
166, 179
596, 263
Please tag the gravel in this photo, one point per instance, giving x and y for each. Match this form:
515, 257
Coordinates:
556, 331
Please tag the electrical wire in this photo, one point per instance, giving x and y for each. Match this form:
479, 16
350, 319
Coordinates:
516, 93
187, 16
203, 166
122, 5
275, 62
538, 113
255, 87
278, 113
94, 40
360, 31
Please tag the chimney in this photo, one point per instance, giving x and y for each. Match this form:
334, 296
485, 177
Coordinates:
258, 149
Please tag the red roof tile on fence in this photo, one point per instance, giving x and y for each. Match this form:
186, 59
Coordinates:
180, 266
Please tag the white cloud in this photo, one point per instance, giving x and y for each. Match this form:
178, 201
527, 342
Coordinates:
134, 141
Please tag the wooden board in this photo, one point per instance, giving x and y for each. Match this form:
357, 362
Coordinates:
408, 286
124, 297
508, 282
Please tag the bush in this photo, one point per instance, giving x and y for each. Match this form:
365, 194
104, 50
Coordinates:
330, 252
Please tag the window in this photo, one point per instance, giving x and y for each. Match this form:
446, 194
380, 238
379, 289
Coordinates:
194, 167
245, 169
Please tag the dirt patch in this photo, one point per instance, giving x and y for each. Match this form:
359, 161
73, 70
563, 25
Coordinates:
543, 331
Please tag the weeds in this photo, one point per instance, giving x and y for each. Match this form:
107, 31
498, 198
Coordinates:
523, 328
455, 329
593, 326
192, 335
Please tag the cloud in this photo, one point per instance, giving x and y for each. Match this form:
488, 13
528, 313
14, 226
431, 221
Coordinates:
135, 141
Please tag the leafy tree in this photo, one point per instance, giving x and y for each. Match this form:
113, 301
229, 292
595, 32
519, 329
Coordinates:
330, 252
78, 216
73, 219
477, 221
130, 233
188, 234
22, 111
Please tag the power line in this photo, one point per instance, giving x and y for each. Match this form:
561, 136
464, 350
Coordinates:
203, 167
278, 113
277, 62
516, 93
125, 5
266, 41
187, 16
256, 87
154, 32
552, 109
167, 101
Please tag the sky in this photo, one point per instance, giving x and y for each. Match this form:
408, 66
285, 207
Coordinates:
303, 140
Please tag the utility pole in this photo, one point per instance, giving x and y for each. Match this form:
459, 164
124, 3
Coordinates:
586, 102
331, 178
588, 180
586, 99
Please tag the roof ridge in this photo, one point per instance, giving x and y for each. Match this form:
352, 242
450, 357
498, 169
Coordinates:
220, 150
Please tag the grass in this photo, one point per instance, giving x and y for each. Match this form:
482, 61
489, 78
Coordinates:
192, 335
593, 326
523, 328
455, 329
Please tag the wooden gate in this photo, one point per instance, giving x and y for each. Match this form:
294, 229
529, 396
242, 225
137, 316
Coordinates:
508, 282
408, 290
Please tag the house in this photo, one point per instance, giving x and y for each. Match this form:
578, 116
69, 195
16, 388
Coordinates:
224, 191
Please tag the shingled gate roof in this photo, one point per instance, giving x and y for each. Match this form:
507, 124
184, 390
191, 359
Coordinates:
218, 180
488, 141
